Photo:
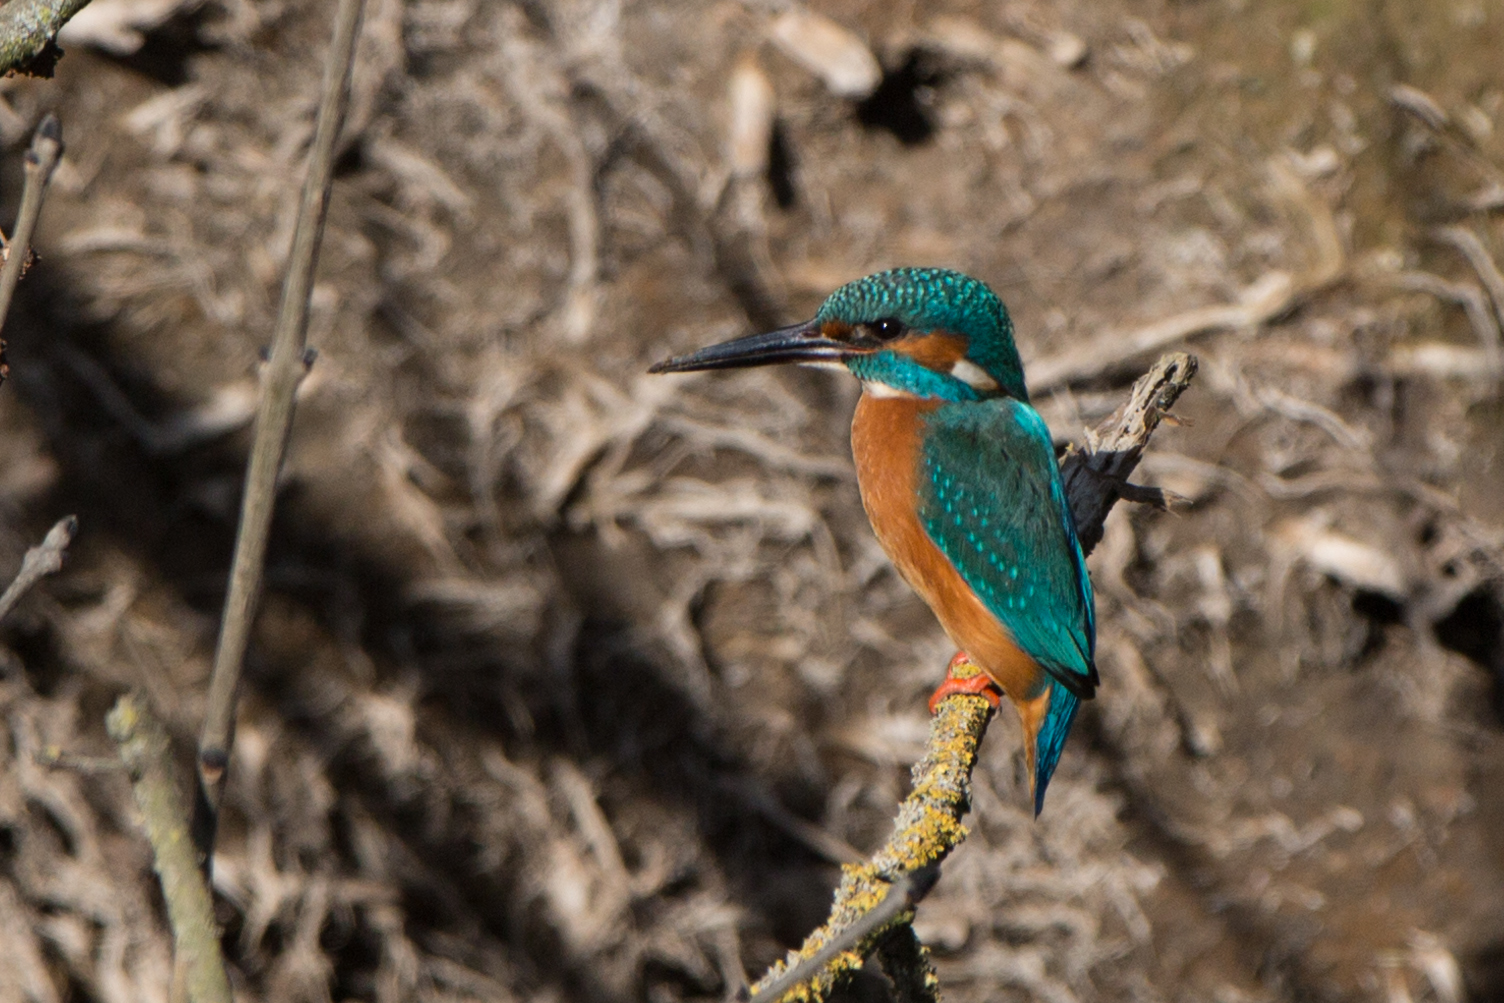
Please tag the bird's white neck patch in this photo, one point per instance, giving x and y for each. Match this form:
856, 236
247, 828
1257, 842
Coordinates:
839, 367
877, 389
972, 375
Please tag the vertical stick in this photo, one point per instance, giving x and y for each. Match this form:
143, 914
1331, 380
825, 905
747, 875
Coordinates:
284, 371
146, 750
46, 150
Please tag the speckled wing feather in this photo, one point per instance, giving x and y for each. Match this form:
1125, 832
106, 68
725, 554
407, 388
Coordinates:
992, 501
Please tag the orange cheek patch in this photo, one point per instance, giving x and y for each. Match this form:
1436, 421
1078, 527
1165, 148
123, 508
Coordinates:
835, 330
938, 351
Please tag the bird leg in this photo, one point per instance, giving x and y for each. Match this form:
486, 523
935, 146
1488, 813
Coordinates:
963, 675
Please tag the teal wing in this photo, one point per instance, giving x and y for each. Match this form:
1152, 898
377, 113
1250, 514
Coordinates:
991, 499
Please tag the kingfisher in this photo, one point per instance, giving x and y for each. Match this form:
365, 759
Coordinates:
958, 476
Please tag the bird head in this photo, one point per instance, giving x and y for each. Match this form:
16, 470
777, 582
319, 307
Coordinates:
924, 332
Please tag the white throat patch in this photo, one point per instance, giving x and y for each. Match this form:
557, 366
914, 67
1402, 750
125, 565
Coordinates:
972, 375
877, 389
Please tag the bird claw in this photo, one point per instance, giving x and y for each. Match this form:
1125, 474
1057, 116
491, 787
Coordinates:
963, 677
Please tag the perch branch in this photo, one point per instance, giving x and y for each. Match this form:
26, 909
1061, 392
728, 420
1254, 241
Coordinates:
40, 561
1097, 476
28, 27
867, 931
874, 903
41, 160
147, 753
284, 370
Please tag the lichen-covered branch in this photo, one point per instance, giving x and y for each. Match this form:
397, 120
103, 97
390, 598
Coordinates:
147, 753
928, 827
874, 903
28, 27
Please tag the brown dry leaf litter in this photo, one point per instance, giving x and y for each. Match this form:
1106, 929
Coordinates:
571, 682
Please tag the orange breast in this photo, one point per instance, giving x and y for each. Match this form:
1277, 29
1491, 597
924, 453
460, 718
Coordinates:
885, 444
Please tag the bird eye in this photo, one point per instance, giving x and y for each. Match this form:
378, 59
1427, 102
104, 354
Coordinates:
887, 329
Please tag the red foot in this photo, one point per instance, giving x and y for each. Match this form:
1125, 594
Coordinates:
970, 680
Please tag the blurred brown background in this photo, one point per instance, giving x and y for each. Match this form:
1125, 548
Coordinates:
573, 683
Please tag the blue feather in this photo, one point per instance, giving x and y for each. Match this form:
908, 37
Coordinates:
992, 500
1051, 739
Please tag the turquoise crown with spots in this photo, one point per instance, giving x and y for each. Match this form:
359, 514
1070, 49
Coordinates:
935, 299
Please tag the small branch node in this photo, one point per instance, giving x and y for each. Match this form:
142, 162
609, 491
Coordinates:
212, 764
40, 561
46, 149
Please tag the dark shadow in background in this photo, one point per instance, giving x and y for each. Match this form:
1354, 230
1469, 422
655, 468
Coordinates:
171, 45
1485, 976
782, 167
901, 103
630, 715
1475, 629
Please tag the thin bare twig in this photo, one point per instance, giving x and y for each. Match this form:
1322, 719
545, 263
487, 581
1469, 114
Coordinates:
40, 561
828, 845
41, 160
284, 371
874, 902
1429, 112
1466, 242
28, 27
1474, 302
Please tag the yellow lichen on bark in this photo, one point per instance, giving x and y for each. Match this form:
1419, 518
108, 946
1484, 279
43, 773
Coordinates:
928, 827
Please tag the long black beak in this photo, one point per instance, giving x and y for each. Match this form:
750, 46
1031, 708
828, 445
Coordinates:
798, 343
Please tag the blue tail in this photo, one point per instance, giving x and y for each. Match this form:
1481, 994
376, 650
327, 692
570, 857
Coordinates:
1051, 738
